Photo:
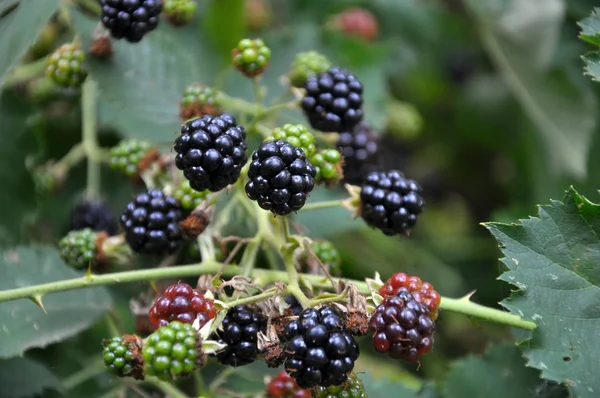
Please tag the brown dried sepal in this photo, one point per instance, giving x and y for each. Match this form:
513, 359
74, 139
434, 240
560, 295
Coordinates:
101, 47
270, 347
195, 224
100, 256
357, 316
152, 156
135, 345
198, 110
202, 357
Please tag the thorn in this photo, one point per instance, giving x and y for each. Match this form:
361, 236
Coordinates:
154, 287
88, 274
37, 300
467, 297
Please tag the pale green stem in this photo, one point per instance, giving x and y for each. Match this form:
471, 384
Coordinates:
168, 388
26, 72
90, 371
90, 142
323, 205
249, 258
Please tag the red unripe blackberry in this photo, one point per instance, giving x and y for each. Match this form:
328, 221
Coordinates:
357, 22
284, 386
402, 327
423, 292
181, 303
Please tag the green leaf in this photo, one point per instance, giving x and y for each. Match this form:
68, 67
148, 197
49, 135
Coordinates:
23, 325
554, 260
592, 65
377, 387
20, 28
220, 13
590, 28
23, 377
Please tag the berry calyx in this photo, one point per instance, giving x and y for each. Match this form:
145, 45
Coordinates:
131, 157
188, 197
211, 151
423, 292
402, 327
130, 19
280, 177
179, 12
251, 57
284, 386
318, 350
199, 100
328, 163
239, 332
353, 388
65, 66
305, 65
358, 147
94, 214
297, 135
78, 249
391, 202
122, 356
173, 352
356, 22
181, 302
151, 223
333, 100
326, 253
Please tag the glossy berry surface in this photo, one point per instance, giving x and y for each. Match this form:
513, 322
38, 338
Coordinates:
284, 386
353, 388
295, 308
333, 100
121, 356
240, 333
423, 292
78, 248
318, 351
305, 65
402, 327
151, 223
127, 157
180, 12
391, 202
172, 352
130, 19
182, 303
327, 162
357, 22
65, 66
251, 57
211, 151
297, 135
280, 177
93, 214
188, 197
358, 147
199, 100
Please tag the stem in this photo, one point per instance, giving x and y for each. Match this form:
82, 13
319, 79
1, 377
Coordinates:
285, 224
169, 389
253, 299
293, 278
26, 72
92, 370
90, 142
249, 258
199, 381
332, 299
324, 205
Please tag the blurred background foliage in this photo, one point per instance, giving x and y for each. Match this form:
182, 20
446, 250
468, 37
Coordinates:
483, 102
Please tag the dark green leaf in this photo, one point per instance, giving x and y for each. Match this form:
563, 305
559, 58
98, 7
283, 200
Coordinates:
20, 28
380, 388
219, 14
592, 65
23, 325
554, 260
590, 28
22, 378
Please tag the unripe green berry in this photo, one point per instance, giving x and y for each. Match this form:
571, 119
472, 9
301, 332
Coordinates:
326, 253
188, 197
127, 156
328, 165
353, 388
78, 248
199, 100
179, 12
305, 65
251, 57
65, 66
297, 135
122, 356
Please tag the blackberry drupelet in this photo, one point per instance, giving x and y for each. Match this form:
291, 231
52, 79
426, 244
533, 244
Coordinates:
318, 350
297, 135
423, 292
402, 327
122, 356
151, 223
359, 152
180, 302
188, 197
240, 333
131, 157
93, 214
356, 22
328, 163
251, 57
78, 249
280, 177
391, 202
199, 100
353, 388
284, 386
180, 12
295, 308
333, 100
65, 66
326, 253
130, 19
305, 65
211, 151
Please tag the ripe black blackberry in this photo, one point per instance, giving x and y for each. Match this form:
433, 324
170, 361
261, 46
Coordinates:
240, 333
211, 151
333, 100
93, 214
130, 19
280, 177
151, 223
402, 327
318, 350
358, 147
391, 202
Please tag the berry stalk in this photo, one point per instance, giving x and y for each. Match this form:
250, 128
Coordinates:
324, 204
89, 139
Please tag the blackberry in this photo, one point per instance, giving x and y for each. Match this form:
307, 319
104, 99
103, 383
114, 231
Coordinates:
199, 100
326, 253
297, 135
333, 100
130, 19
151, 223
65, 66
353, 388
328, 163
179, 12
318, 350
280, 177
188, 197
305, 65
251, 57
284, 386
391, 202
357, 22
294, 305
180, 302
173, 352
402, 327
423, 292
240, 333
93, 214
211, 151
131, 157
78, 249
258, 14
359, 149
122, 356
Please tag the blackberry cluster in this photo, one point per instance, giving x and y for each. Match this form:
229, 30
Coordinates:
179, 12
305, 65
240, 333
151, 223
318, 350
390, 202
65, 66
188, 197
211, 151
357, 22
402, 327
353, 388
333, 100
327, 162
122, 356
93, 214
199, 100
297, 135
181, 302
78, 248
284, 386
173, 352
280, 177
423, 292
326, 252
251, 57
130, 157
130, 19
358, 147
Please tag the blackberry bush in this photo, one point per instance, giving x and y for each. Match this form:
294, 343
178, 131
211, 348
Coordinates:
359, 152
184, 304
93, 214
251, 57
199, 100
65, 66
130, 19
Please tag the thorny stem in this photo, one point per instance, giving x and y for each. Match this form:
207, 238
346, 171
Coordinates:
90, 141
